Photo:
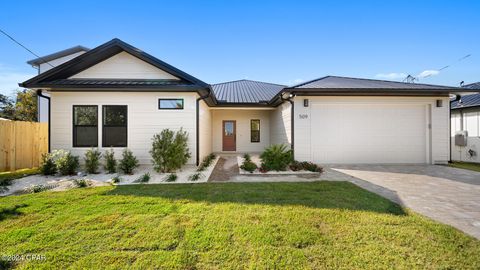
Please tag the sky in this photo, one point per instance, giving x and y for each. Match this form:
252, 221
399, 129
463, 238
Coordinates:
284, 42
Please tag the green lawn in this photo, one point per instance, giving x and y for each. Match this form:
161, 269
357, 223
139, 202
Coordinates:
465, 165
318, 225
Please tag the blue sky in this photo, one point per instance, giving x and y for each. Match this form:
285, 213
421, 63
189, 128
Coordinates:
284, 42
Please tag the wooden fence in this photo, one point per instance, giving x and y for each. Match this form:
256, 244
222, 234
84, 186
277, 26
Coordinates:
22, 144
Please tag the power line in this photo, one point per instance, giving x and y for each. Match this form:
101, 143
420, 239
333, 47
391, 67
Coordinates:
23, 46
412, 79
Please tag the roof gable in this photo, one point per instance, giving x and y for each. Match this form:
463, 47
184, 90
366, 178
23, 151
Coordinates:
123, 66
60, 54
100, 54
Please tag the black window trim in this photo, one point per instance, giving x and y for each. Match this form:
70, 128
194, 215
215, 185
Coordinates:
103, 126
73, 127
183, 103
259, 125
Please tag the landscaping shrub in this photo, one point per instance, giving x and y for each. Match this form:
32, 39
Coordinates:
81, 183
47, 166
247, 164
67, 164
4, 183
171, 178
309, 166
92, 160
110, 162
36, 188
116, 179
144, 178
206, 162
169, 150
296, 166
128, 162
195, 176
276, 157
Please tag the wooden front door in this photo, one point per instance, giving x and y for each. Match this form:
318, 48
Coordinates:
229, 135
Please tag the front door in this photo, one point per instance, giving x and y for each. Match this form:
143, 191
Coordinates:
229, 135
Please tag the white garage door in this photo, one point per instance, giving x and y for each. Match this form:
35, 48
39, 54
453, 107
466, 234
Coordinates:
368, 133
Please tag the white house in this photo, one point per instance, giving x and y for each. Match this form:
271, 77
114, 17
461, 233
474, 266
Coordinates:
465, 117
116, 95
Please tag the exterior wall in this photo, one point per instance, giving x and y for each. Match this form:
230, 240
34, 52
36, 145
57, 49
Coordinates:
468, 120
56, 62
242, 118
123, 66
280, 124
205, 130
144, 119
439, 118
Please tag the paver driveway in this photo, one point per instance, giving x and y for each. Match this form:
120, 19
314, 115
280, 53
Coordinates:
448, 195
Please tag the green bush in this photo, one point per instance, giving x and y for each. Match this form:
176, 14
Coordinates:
66, 163
128, 162
296, 166
92, 160
81, 183
36, 188
169, 150
247, 164
309, 166
247, 157
144, 178
276, 157
116, 179
47, 166
171, 177
207, 161
195, 177
110, 161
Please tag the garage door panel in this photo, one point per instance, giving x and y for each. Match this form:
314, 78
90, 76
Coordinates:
368, 133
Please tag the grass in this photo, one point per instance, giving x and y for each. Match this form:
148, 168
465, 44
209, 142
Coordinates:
317, 225
465, 165
18, 174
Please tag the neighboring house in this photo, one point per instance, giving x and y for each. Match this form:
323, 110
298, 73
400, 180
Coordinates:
118, 96
465, 117
50, 61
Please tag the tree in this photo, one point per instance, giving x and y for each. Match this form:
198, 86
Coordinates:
23, 108
7, 107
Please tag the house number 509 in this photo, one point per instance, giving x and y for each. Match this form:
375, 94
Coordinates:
303, 116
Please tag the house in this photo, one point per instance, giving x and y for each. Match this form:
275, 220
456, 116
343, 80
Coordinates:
465, 119
116, 95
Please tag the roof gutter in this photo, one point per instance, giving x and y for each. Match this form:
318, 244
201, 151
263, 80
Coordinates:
40, 94
197, 145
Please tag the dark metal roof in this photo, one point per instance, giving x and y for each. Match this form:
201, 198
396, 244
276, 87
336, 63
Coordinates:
466, 101
46, 58
336, 82
245, 91
96, 84
475, 86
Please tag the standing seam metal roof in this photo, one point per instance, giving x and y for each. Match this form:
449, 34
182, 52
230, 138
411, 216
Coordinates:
245, 91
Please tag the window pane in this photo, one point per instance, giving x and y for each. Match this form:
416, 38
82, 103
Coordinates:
115, 115
170, 103
255, 130
255, 136
85, 115
85, 136
228, 129
115, 136
255, 124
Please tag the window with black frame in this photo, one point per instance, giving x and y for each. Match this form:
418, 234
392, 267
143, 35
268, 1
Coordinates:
85, 126
255, 130
114, 130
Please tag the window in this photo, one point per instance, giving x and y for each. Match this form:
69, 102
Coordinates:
255, 130
114, 126
85, 126
170, 104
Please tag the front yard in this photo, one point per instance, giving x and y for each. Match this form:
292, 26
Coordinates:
227, 225
465, 165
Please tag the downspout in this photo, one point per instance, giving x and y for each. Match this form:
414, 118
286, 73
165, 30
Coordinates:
40, 94
292, 121
197, 146
457, 98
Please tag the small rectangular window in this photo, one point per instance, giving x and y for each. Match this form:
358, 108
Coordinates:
255, 130
85, 126
114, 126
170, 104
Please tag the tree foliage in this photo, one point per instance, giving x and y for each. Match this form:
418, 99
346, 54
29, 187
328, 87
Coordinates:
22, 108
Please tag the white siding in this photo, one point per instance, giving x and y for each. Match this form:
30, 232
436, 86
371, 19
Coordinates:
205, 130
280, 124
438, 137
242, 118
56, 62
144, 119
470, 118
123, 66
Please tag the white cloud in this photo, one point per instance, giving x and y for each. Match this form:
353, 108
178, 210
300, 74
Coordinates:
391, 76
9, 79
294, 82
428, 73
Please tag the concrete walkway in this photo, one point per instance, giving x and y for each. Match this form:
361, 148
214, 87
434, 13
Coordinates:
448, 195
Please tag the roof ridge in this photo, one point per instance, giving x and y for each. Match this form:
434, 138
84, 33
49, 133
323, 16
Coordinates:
248, 81
377, 80
310, 81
